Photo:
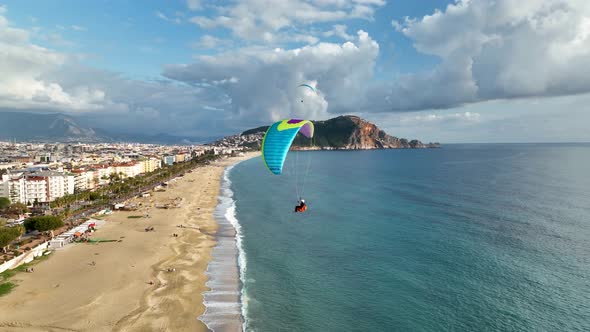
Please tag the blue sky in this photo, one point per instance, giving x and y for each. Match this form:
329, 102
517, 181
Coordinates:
138, 41
450, 71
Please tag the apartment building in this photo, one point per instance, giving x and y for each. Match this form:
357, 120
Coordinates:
43, 186
102, 173
169, 160
36, 189
182, 157
80, 179
13, 187
128, 169
150, 164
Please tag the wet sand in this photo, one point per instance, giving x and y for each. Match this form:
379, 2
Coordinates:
69, 293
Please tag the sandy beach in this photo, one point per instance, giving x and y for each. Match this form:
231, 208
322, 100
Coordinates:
126, 285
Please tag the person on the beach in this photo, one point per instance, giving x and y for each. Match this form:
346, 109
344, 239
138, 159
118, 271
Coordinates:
301, 207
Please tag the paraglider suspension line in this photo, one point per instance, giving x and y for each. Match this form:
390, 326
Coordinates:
306, 168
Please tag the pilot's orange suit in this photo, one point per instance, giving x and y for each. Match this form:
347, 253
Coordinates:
301, 208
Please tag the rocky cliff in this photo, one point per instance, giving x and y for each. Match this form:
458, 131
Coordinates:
353, 133
345, 132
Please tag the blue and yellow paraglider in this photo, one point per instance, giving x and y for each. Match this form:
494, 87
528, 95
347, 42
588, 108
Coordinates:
276, 144
278, 140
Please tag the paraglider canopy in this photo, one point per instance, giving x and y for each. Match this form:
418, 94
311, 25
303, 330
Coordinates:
278, 140
306, 87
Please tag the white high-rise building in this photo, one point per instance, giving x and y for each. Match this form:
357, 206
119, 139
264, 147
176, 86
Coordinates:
13, 186
102, 173
42, 187
69, 183
128, 169
80, 180
36, 189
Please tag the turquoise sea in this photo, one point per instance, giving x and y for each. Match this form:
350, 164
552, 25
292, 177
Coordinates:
477, 237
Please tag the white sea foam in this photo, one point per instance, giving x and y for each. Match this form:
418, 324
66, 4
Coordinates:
225, 305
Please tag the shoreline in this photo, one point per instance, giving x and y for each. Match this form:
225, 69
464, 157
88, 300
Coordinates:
223, 300
115, 294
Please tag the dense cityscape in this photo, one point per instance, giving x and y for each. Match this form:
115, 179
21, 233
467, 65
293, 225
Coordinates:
36, 174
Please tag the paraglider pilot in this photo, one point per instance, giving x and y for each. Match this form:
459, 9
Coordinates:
301, 207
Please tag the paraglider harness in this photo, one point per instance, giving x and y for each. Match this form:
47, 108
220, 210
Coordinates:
301, 207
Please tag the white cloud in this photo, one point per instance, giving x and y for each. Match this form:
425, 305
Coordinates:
538, 119
256, 20
35, 78
193, 4
78, 28
396, 25
494, 50
22, 64
56, 39
371, 2
338, 30
146, 106
205, 22
210, 42
163, 16
261, 83
464, 117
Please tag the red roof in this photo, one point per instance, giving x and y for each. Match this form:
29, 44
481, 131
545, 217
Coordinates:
131, 163
35, 178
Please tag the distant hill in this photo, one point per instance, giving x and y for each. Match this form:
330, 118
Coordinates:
347, 132
56, 127
43, 127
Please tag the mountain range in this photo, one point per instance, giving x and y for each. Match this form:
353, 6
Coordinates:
41, 127
56, 127
343, 132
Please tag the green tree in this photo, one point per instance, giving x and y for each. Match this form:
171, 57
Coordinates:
4, 203
93, 196
114, 177
43, 223
67, 212
15, 209
9, 234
